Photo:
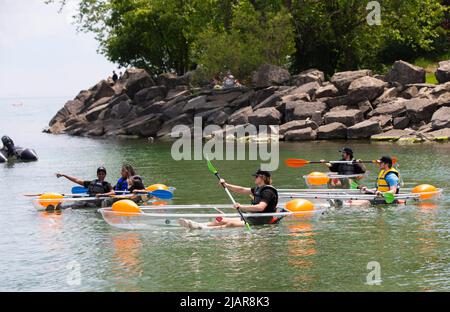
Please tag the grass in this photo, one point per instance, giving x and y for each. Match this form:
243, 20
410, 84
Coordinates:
431, 64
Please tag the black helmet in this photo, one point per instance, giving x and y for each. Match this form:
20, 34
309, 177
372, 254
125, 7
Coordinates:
101, 169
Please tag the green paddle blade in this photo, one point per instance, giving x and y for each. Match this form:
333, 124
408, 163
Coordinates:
389, 197
354, 185
211, 167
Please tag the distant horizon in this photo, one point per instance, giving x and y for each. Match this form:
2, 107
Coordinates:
41, 53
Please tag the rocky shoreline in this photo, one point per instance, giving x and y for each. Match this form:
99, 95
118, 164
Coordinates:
399, 106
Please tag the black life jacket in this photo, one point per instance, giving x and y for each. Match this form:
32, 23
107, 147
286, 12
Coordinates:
97, 187
257, 198
347, 169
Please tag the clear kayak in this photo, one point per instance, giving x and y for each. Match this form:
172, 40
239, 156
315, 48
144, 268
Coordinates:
81, 202
354, 195
168, 215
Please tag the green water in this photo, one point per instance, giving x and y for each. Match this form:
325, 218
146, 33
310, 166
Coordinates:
328, 252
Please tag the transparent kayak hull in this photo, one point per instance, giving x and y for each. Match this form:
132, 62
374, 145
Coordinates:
168, 216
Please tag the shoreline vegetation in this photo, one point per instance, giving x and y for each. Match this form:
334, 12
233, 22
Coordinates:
399, 106
173, 49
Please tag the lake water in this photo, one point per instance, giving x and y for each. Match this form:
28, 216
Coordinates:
78, 251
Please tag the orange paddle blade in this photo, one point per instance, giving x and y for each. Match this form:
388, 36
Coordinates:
394, 160
296, 163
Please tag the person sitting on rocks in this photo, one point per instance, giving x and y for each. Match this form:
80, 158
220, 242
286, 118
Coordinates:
229, 81
114, 76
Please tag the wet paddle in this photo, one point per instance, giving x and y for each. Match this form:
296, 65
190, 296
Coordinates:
298, 163
216, 173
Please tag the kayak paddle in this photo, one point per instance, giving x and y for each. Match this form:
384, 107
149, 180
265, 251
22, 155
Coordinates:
297, 163
216, 173
79, 190
388, 197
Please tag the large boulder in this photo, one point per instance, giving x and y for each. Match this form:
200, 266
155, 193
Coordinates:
101, 90
173, 109
192, 104
265, 116
136, 80
405, 73
243, 100
394, 108
441, 118
309, 88
120, 110
337, 101
348, 117
305, 134
271, 101
296, 125
400, 122
443, 72
240, 117
439, 135
365, 89
364, 129
420, 109
328, 90
301, 110
172, 81
226, 95
387, 96
342, 80
151, 93
332, 131
144, 126
384, 121
269, 75
307, 76
166, 128
218, 117
393, 135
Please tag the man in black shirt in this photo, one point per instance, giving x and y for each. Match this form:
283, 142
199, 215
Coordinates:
354, 168
94, 187
264, 200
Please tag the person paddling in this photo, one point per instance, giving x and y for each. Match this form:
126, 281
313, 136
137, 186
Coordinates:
388, 181
353, 168
265, 200
94, 187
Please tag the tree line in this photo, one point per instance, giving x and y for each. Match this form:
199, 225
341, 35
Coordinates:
214, 36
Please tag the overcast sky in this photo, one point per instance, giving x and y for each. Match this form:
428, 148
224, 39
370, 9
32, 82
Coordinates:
42, 55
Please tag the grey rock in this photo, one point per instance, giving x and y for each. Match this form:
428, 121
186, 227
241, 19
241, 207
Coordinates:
441, 118
240, 117
269, 75
342, 80
301, 110
307, 76
136, 80
271, 101
243, 100
443, 72
305, 134
227, 96
406, 73
148, 94
265, 116
401, 122
332, 131
420, 109
348, 117
364, 129
296, 125
327, 91
365, 89
395, 109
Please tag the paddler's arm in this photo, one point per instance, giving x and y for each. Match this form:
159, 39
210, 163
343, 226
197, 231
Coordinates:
73, 179
236, 188
327, 164
252, 208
